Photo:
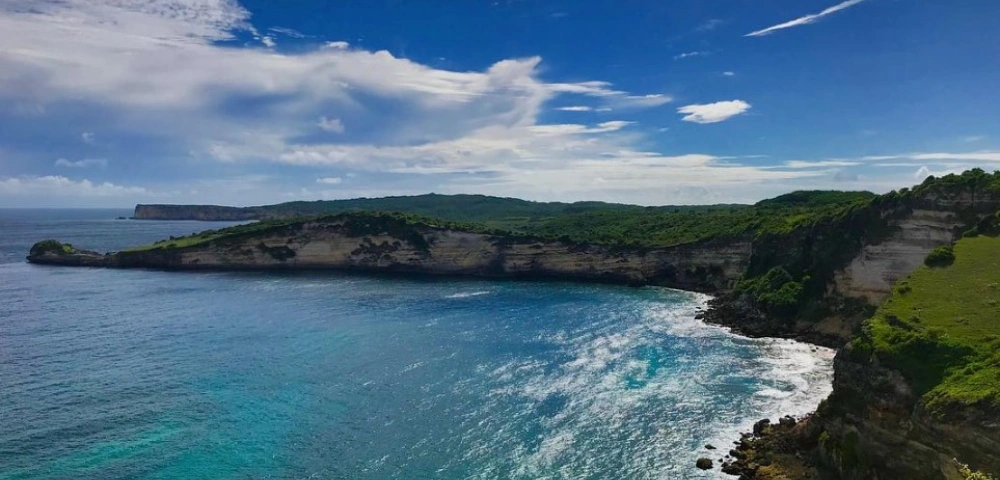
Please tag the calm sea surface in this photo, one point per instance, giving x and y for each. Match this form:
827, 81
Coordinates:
140, 374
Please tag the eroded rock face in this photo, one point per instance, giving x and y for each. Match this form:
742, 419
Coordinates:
706, 267
871, 275
875, 427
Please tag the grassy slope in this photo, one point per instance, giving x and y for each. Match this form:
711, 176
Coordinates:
941, 328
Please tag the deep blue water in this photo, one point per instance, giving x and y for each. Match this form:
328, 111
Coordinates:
169, 375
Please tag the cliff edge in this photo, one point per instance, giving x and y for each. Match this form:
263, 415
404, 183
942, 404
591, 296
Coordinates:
377, 242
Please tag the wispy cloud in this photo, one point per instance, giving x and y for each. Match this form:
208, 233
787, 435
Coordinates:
290, 32
331, 125
806, 20
87, 137
643, 101
689, 55
713, 112
87, 162
939, 157
59, 186
329, 180
820, 163
729, 74
710, 24
576, 108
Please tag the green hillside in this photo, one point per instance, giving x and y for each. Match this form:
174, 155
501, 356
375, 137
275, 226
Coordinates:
581, 223
941, 328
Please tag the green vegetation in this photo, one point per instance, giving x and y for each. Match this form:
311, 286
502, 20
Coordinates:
940, 329
776, 291
826, 236
665, 226
212, 235
403, 226
581, 223
941, 256
970, 474
53, 246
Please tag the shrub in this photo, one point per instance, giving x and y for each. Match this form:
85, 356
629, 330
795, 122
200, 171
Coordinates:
47, 246
940, 257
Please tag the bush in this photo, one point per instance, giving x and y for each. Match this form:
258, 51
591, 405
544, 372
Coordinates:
940, 257
50, 246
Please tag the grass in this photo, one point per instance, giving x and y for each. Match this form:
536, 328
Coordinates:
212, 235
941, 328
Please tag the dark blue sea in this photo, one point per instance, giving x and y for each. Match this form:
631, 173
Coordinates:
137, 374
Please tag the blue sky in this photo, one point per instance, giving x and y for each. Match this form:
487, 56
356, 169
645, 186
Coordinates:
114, 102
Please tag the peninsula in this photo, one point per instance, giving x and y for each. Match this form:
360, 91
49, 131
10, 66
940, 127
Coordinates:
903, 283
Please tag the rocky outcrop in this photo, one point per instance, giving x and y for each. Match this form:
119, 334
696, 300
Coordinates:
874, 426
317, 244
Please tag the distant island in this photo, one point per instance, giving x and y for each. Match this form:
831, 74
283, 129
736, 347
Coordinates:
904, 283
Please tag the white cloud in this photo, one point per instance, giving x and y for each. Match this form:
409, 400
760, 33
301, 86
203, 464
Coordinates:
806, 20
329, 180
87, 137
974, 138
713, 112
54, 185
577, 108
268, 41
820, 163
940, 157
729, 74
331, 125
643, 101
969, 156
689, 55
87, 162
155, 68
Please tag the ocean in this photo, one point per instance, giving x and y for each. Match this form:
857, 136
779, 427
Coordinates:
140, 374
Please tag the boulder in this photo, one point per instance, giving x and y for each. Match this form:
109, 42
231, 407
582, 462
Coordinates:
760, 427
704, 463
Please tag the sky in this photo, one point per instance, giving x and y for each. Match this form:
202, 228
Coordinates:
117, 102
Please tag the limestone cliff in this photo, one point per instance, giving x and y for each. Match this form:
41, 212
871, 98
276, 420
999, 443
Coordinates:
849, 264
333, 243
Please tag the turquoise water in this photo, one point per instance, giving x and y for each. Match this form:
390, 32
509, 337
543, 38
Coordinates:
170, 375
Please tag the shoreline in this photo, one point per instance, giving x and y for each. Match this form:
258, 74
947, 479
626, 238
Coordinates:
702, 304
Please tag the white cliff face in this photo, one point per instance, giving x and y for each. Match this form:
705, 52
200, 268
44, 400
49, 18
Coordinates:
871, 275
706, 266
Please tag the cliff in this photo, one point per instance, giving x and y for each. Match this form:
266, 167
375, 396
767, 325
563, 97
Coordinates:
917, 387
389, 243
838, 269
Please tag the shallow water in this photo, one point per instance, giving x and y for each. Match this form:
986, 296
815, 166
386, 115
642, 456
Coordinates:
149, 374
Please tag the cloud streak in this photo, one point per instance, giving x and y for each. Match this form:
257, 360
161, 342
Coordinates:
87, 162
806, 20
